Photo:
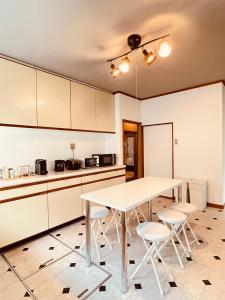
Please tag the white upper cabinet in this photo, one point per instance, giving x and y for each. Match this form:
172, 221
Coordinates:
105, 111
17, 94
82, 107
53, 101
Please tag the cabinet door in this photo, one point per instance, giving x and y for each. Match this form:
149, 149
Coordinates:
105, 111
17, 94
93, 187
23, 218
64, 206
53, 101
82, 107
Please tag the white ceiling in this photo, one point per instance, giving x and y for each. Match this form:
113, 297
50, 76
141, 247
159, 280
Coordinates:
76, 37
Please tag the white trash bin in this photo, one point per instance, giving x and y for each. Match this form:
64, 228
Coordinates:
198, 192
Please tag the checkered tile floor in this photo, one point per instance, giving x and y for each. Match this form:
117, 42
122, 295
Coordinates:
53, 267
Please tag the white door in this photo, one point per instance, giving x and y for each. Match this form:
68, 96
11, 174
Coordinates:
158, 145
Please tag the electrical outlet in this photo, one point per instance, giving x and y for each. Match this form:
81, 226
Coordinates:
72, 146
176, 141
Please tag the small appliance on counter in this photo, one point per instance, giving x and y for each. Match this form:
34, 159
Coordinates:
41, 167
73, 164
59, 165
104, 160
88, 162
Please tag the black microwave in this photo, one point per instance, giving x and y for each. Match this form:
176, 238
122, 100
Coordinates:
105, 159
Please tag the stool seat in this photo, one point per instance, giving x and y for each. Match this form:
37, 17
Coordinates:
153, 232
171, 216
186, 208
98, 212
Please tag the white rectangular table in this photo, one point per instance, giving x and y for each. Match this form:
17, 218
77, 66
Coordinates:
125, 197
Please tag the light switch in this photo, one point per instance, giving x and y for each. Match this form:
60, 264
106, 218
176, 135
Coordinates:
175, 141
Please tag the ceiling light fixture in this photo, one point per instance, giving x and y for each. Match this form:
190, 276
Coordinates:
149, 57
164, 49
115, 71
124, 66
134, 42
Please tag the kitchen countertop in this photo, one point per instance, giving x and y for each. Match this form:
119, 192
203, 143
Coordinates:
55, 175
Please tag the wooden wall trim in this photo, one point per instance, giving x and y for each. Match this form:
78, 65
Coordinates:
23, 197
173, 91
57, 189
55, 128
103, 179
214, 205
57, 179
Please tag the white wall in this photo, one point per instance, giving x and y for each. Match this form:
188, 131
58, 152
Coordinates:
19, 146
197, 117
126, 108
223, 117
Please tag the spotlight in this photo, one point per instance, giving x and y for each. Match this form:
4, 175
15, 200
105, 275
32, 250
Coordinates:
115, 71
164, 49
124, 65
149, 57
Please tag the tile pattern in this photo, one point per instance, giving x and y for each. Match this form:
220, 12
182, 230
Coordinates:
53, 267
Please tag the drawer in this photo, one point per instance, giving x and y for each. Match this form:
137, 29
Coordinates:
23, 191
63, 183
100, 176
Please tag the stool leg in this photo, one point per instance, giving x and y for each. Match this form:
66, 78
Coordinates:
182, 245
141, 212
95, 240
192, 232
177, 253
156, 273
136, 213
142, 261
117, 227
107, 241
186, 238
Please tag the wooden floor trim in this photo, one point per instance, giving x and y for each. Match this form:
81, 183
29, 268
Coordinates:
214, 205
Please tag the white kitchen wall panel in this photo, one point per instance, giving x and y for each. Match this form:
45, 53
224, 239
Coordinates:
17, 94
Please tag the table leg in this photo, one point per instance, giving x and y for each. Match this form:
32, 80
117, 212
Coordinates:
88, 234
124, 254
150, 211
179, 193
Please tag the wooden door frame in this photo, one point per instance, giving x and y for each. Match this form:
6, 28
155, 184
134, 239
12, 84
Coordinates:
172, 157
140, 160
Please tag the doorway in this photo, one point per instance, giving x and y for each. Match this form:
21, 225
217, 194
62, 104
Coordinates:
132, 149
159, 152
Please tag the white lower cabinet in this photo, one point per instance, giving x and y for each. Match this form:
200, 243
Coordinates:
64, 205
23, 218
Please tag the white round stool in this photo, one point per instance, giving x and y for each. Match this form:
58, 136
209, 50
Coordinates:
176, 220
97, 215
155, 233
187, 209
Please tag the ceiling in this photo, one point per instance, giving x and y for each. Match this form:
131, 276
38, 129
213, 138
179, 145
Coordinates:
76, 37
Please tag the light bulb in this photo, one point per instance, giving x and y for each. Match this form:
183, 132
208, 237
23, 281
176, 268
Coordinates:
164, 49
115, 71
124, 65
149, 57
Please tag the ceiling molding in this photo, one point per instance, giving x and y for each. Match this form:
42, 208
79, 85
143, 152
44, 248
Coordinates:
186, 89
174, 91
125, 94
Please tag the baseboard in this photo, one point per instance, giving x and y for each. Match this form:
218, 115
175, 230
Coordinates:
167, 197
220, 206
37, 236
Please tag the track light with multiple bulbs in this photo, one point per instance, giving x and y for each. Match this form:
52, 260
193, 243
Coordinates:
134, 41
